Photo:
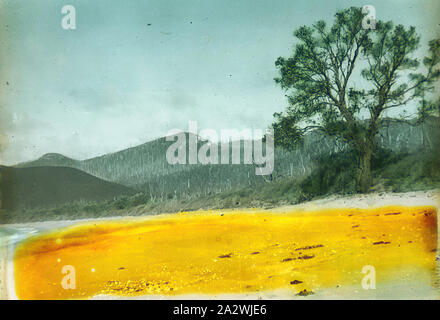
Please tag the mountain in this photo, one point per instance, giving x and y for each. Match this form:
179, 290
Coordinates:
146, 169
52, 160
47, 186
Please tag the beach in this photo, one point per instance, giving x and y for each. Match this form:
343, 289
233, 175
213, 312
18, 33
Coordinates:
314, 250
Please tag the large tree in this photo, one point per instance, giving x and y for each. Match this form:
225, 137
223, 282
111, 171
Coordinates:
340, 80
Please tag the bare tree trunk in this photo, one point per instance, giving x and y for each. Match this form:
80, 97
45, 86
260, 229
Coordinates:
365, 177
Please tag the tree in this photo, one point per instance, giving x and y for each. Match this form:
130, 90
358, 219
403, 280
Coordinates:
319, 79
428, 109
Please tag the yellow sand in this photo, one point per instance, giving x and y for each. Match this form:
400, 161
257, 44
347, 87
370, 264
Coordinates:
239, 252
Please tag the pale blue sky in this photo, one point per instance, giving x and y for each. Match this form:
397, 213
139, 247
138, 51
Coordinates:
117, 82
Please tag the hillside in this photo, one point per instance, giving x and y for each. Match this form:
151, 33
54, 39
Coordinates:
396, 174
52, 160
333, 174
48, 186
146, 169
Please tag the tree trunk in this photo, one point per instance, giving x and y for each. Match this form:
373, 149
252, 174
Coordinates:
365, 177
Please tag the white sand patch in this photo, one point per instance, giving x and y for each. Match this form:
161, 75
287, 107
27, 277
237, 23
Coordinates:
371, 200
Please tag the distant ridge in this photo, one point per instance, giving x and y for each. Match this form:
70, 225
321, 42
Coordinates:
146, 169
47, 186
50, 159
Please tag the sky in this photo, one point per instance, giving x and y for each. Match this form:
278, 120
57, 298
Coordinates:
133, 70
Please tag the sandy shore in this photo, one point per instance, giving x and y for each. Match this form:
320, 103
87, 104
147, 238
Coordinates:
428, 198
372, 200
364, 201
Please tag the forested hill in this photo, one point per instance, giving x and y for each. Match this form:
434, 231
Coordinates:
146, 169
35, 187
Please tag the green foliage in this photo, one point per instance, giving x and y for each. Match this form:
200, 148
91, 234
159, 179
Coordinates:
398, 172
317, 77
335, 174
413, 172
121, 203
286, 133
428, 109
322, 94
125, 202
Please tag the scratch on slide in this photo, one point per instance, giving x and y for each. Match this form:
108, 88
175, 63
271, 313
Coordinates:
3, 272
